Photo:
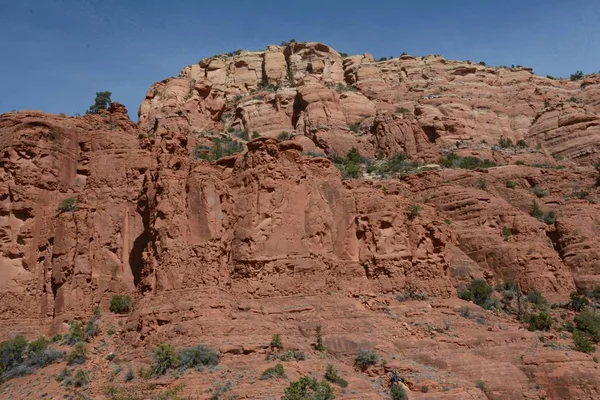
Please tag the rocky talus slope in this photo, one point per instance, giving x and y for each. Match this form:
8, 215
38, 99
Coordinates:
275, 192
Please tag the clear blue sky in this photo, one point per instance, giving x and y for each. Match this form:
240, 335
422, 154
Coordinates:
57, 53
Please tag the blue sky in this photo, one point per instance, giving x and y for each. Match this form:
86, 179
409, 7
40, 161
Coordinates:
57, 53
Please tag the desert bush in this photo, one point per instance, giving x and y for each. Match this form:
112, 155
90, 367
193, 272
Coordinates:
284, 136
522, 144
68, 205
549, 217
452, 160
91, 329
307, 388
578, 302
255, 135
577, 76
290, 355
583, 342
402, 110
129, 375
510, 184
340, 87
37, 346
243, 134
506, 232
538, 191
164, 357
75, 333
80, 379
78, 354
355, 128
537, 298
222, 147
397, 392
536, 210
478, 291
365, 358
120, 304
319, 338
332, 376
12, 352
589, 323
540, 321
276, 342
413, 211
505, 142
101, 102
197, 357
482, 184
273, 372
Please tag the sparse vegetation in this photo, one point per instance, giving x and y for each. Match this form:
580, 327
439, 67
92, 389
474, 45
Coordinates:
340, 87
80, 379
506, 233
536, 298
578, 302
522, 144
290, 355
319, 339
479, 292
505, 142
284, 136
273, 372
573, 99
307, 388
536, 210
78, 354
349, 166
242, 134
413, 211
588, 322
198, 357
276, 342
540, 321
577, 76
354, 128
120, 304
583, 343
510, 184
101, 102
397, 392
222, 147
332, 376
538, 191
452, 160
402, 110
91, 328
75, 333
68, 205
164, 358
255, 134
365, 359
482, 184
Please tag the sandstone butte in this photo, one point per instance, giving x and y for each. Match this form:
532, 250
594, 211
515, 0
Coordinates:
274, 239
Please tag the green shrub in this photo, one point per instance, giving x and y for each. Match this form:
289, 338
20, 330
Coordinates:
398, 393
506, 232
583, 342
242, 134
276, 342
56, 338
510, 184
505, 142
164, 357
255, 134
221, 147
595, 293
290, 355
332, 376
307, 388
37, 346
424, 389
536, 210
78, 354
573, 99
340, 87
101, 102
482, 184
75, 333
355, 128
68, 205
537, 298
11, 353
63, 375
80, 379
365, 358
589, 323
129, 375
578, 302
91, 329
549, 218
402, 110
577, 76
413, 211
540, 321
452, 160
319, 339
197, 357
522, 144
538, 191
273, 372
283, 136
478, 291
120, 304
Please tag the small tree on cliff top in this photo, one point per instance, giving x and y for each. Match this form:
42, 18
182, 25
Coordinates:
101, 102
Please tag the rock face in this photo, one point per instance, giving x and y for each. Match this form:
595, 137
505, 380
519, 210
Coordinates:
232, 249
